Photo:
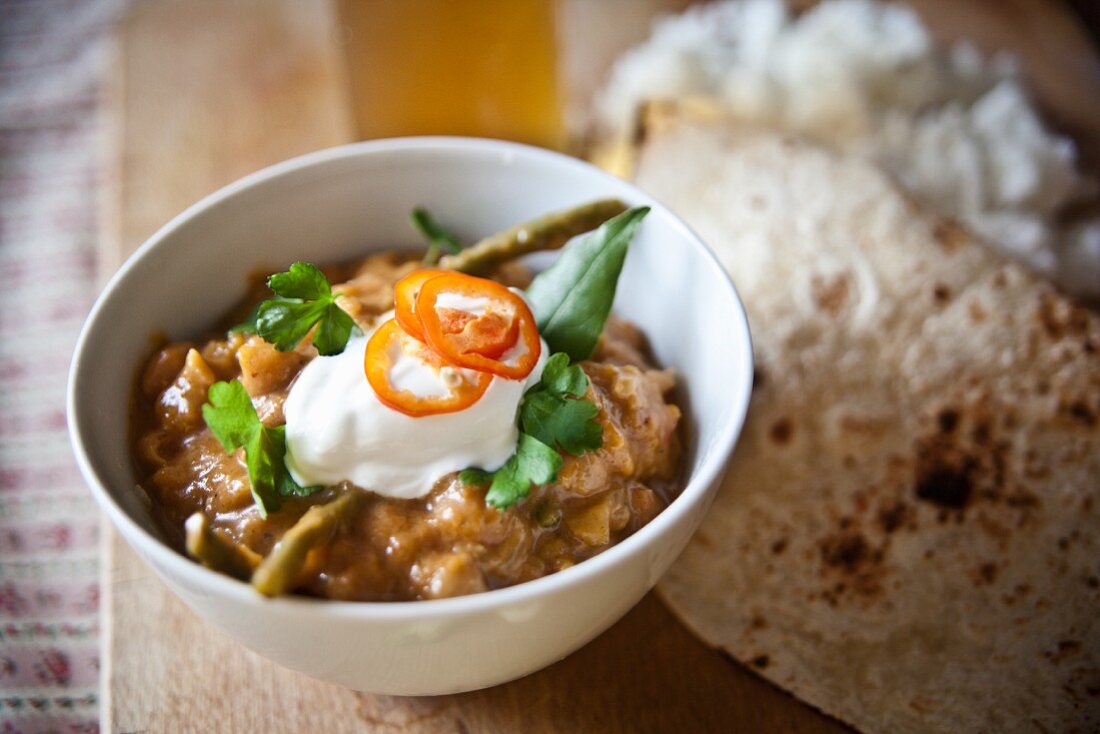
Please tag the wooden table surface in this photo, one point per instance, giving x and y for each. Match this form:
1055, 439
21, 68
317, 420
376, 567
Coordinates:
205, 91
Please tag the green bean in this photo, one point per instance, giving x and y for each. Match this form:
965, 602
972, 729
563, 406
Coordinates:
548, 232
276, 573
217, 552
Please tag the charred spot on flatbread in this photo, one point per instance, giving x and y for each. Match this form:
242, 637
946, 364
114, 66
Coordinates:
831, 293
1061, 318
949, 235
947, 419
944, 475
894, 516
986, 573
760, 661
851, 564
781, 431
1081, 412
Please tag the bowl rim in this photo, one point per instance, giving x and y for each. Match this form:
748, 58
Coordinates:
693, 492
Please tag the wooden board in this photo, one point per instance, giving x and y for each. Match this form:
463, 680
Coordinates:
208, 91
205, 91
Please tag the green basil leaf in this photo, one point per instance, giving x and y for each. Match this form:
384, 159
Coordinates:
572, 298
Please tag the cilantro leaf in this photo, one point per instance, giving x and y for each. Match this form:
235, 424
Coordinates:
333, 330
533, 463
264, 458
287, 487
286, 323
234, 422
439, 239
246, 327
561, 378
562, 422
304, 299
552, 413
230, 414
552, 416
302, 280
475, 477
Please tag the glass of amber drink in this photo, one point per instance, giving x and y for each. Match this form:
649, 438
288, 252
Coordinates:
455, 67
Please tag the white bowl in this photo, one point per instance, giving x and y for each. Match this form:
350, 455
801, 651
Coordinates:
340, 204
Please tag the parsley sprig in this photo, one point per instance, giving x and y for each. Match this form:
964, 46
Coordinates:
553, 417
246, 327
533, 463
304, 299
234, 422
553, 413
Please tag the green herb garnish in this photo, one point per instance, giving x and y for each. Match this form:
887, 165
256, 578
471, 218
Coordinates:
552, 413
572, 298
234, 422
552, 416
571, 301
248, 326
305, 299
533, 463
439, 239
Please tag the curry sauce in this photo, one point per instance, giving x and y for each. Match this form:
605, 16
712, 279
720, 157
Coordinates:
448, 542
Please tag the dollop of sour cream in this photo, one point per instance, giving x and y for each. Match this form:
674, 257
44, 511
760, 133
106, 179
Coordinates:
337, 429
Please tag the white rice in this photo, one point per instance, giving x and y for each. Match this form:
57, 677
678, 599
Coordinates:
866, 77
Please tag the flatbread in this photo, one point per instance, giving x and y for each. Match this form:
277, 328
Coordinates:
908, 538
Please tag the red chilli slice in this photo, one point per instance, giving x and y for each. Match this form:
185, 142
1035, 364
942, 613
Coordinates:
378, 363
503, 339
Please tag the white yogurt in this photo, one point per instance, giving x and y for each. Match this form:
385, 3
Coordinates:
337, 429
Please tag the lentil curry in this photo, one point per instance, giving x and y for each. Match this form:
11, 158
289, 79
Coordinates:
449, 542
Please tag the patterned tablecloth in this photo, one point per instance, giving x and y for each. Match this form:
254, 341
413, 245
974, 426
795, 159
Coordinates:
52, 56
